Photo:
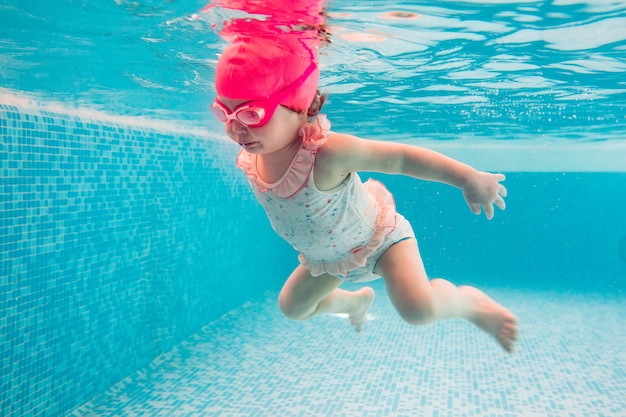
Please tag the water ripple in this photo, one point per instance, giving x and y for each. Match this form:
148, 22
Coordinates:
499, 69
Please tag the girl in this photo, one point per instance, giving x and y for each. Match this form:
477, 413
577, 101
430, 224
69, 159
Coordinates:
306, 179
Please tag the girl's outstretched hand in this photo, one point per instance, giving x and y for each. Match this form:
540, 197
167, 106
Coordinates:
484, 190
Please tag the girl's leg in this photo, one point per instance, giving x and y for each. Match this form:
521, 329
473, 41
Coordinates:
420, 301
304, 296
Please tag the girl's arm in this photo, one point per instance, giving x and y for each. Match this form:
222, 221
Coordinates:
343, 154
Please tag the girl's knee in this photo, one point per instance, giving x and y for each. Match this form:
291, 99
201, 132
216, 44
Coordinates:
284, 303
291, 309
418, 313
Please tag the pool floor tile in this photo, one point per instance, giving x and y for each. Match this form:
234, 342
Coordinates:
570, 361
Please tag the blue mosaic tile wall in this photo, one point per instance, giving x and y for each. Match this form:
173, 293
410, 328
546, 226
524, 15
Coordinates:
560, 230
116, 242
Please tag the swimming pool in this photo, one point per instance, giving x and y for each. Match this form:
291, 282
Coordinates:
131, 283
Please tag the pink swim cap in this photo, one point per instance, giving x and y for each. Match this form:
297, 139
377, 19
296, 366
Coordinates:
254, 68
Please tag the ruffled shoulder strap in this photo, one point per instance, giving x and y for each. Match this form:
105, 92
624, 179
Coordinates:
297, 175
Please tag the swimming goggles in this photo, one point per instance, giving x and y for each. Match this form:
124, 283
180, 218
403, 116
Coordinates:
257, 113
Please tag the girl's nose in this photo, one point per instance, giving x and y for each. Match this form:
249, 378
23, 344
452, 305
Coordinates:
235, 126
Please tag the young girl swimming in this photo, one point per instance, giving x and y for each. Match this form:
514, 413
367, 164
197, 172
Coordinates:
305, 176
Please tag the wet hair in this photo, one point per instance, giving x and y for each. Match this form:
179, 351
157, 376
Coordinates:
316, 106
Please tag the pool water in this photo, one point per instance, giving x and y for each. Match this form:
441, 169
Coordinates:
451, 70
138, 275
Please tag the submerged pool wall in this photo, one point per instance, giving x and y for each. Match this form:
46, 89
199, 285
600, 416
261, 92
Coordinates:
118, 241
560, 231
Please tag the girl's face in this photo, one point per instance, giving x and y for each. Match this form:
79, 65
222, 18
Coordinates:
280, 132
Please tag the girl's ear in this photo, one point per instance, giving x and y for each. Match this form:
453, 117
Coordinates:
316, 105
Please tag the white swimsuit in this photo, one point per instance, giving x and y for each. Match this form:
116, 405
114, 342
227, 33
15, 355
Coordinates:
335, 231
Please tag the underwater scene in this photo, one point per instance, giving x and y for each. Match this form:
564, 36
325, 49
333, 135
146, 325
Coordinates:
140, 275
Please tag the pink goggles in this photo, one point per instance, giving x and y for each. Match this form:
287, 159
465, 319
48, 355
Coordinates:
257, 113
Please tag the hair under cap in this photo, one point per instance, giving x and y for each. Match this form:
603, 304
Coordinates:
254, 68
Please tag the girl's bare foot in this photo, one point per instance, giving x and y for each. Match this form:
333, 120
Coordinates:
493, 318
365, 299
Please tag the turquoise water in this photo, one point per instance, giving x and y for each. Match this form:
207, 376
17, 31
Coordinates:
503, 70
138, 275
500, 70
